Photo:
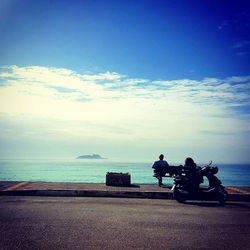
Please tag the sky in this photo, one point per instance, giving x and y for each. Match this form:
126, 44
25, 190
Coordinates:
125, 79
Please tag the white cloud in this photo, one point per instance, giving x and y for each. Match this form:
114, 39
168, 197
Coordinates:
111, 85
112, 76
113, 108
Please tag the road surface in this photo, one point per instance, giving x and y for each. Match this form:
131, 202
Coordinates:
119, 223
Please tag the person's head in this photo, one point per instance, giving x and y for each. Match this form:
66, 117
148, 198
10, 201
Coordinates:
161, 157
189, 161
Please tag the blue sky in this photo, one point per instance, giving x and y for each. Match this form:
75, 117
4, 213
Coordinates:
125, 79
152, 39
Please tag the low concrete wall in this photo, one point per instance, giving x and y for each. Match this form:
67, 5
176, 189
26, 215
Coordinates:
89, 193
98, 193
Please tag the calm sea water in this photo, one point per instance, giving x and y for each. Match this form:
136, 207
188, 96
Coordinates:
94, 171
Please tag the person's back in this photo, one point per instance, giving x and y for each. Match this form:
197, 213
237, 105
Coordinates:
160, 164
160, 168
190, 168
190, 165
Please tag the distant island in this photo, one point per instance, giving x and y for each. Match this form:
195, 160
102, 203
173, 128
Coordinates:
93, 156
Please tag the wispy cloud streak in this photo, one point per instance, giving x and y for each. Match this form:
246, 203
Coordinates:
68, 84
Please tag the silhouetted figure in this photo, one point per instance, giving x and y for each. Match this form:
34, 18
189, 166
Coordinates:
190, 169
160, 167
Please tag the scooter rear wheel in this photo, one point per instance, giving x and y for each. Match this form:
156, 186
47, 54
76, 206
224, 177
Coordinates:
222, 196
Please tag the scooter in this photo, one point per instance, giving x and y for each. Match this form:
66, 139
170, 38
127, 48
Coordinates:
185, 189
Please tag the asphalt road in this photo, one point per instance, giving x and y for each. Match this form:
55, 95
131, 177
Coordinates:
116, 223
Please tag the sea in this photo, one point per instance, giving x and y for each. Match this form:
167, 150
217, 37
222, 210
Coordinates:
94, 171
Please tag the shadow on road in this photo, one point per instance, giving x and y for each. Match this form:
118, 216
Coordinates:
216, 204
202, 203
236, 205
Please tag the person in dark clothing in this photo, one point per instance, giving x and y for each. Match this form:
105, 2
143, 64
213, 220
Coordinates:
160, 168
190, 169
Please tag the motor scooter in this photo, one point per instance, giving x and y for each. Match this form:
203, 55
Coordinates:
185, 189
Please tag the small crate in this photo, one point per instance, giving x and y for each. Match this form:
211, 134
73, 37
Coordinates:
118, 179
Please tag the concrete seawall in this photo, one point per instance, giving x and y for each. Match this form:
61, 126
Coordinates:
147, 191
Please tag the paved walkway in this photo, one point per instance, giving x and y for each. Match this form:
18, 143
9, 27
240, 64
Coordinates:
101, 190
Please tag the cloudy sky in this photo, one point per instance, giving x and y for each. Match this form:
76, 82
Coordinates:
126, 79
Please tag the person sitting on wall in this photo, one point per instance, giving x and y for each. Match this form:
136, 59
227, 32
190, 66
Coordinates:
192, 173
160, 167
